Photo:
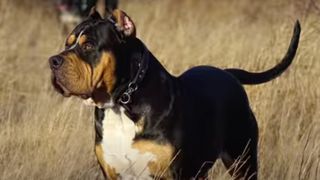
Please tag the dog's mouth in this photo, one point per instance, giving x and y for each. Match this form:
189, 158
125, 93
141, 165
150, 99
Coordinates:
98, 93
63, 90
59, 87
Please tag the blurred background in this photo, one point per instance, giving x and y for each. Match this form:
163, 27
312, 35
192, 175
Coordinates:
45, 136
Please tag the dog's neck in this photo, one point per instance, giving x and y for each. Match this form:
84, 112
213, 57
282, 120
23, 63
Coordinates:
155, 96
156, 83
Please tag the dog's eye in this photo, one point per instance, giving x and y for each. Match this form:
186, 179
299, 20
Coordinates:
87, 46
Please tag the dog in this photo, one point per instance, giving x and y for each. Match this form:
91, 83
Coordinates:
150, 124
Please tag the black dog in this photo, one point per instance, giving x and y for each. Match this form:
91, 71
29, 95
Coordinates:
150, 124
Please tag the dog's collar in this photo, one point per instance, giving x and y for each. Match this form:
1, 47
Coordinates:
133, 85
125, 97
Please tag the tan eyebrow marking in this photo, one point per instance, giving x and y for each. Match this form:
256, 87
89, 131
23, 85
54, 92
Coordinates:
78, 40
71, 39
82, 39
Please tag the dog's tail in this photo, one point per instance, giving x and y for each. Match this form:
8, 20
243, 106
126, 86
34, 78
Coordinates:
251, 78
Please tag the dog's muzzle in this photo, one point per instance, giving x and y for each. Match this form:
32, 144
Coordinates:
55, 63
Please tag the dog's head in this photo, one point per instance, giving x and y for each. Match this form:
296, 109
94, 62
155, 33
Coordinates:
87, 67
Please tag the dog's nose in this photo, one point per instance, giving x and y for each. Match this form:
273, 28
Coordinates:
55, 62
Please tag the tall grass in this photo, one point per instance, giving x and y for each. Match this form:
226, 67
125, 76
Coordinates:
44, 136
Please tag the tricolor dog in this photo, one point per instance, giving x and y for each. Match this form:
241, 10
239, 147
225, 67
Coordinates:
149, 123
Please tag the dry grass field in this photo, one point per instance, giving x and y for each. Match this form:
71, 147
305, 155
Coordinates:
44, 136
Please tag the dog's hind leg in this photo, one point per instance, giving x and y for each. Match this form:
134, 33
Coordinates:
194, 165
241, 165
240, 152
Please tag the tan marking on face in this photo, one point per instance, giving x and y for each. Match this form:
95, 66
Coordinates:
82, 39
163, 153
104, 72
77, 74
71, 39
108, 170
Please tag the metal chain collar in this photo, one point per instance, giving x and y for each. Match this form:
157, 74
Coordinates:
125, 98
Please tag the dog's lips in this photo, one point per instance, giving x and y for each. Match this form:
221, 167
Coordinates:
85, 96
59, 87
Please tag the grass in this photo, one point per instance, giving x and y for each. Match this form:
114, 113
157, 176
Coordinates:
44, 136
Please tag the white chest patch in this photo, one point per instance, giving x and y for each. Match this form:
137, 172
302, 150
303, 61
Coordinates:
118, 134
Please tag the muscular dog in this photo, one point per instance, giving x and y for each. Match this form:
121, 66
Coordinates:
150, 124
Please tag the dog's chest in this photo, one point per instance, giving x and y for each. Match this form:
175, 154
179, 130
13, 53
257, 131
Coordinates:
118, 147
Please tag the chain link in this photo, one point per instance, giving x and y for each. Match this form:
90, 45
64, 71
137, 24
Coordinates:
126, 96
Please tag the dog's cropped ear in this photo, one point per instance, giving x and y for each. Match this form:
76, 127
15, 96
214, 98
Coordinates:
94, 14
124, 23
